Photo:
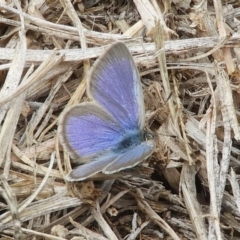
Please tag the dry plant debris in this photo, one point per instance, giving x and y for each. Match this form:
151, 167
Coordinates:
189, 58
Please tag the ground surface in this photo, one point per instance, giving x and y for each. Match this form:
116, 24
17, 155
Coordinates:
188, 56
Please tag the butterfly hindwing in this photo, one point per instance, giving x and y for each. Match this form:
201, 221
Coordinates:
91, 168
131, 157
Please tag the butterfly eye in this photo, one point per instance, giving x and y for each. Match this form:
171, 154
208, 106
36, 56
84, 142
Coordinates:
149, 135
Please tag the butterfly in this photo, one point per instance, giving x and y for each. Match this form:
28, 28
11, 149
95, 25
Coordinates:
107, 134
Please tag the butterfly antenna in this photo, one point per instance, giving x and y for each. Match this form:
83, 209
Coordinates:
169, 96
155, 119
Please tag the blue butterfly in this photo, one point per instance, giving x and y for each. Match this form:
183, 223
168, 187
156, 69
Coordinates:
107, 134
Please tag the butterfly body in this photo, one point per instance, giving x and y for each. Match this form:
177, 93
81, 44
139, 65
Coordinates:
108, 133
131, 139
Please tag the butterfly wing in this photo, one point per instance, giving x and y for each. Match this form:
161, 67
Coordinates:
92, 130
115, 84
91, 168
131, 157
112, 162
86, 130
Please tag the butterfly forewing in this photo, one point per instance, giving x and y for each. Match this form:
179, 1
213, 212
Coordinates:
86, 130
114, 83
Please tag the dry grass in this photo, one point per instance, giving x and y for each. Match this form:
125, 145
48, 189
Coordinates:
188, 57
